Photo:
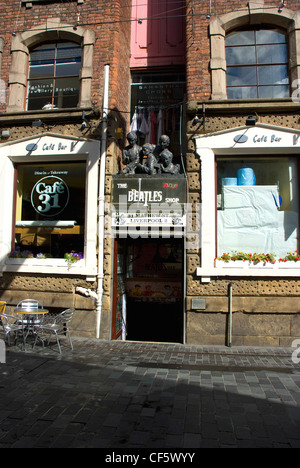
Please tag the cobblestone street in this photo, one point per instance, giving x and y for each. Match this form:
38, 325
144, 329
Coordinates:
127, 395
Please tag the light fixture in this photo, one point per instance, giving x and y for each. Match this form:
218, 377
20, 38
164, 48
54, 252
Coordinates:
37, 123
5, 134
251, 120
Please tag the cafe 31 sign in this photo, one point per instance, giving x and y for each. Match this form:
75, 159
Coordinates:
50, 196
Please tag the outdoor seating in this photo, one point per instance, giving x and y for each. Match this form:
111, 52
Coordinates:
58, 326
10, 325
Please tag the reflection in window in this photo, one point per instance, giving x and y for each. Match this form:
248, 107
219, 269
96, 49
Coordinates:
50, 208
54, 76
257, 205
257, 64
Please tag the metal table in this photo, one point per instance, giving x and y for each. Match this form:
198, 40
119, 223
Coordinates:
30, 322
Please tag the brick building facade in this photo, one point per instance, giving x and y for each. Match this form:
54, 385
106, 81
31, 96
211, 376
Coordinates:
201, 70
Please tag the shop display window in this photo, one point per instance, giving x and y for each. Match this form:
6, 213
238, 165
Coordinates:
257, 205
49, 209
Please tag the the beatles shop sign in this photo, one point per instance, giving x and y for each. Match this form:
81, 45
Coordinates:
149, 202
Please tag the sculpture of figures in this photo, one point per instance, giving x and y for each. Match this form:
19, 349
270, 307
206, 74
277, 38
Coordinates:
131, 154
163, 145
151, 166
166, 164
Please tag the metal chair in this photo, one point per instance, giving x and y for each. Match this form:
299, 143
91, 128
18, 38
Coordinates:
29, 304
10, 325
58, 325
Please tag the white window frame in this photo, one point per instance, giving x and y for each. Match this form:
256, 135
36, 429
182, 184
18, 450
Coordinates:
50, 148
224, 144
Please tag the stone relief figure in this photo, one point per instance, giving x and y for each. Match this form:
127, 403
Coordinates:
158, 159
166, 164
150, 166
131, 155
164, 143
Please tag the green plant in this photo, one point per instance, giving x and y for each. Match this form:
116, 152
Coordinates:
72, 257
254, 258
291, 256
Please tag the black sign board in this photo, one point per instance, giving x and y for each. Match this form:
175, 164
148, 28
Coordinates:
158, 201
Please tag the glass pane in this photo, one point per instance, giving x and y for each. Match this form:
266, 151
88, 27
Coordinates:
240, 55
269, 92
272, 54
40, 71
42, 54
244, 92
241, 76
41, 88
66, 92
272, 228
68, 69
51, 192
37, 103
240, 38
70, 51
273, 74
270, 36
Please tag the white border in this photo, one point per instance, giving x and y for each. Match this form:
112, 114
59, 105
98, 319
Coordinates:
50, 148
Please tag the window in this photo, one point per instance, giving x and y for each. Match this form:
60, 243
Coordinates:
257, 64
53, 80
50, 208
257, 205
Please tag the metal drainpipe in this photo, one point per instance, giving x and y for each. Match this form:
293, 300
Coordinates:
101, 202
230, 316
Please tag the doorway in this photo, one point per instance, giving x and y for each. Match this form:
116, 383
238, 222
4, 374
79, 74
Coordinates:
148, 290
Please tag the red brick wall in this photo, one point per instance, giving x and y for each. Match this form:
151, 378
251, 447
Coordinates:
112, 38
198, 44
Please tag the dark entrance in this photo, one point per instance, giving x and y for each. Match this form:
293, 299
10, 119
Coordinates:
149, 290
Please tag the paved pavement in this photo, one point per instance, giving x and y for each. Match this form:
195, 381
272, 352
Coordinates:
155, 396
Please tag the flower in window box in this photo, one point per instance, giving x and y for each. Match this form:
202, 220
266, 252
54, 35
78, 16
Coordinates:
72, 257
291, 256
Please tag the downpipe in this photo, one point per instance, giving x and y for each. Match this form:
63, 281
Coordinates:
101, 203
229, 338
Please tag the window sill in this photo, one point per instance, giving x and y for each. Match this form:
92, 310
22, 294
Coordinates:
47, 266
240, 268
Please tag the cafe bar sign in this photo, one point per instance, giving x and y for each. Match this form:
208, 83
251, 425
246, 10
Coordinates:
149, 201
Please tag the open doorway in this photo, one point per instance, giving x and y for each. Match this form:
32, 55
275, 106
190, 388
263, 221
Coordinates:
148, 290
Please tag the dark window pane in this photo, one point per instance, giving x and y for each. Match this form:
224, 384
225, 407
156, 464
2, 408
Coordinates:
272, 54
240, 55
270, 36
269, 92
273, 74
241, 76
242, 92
41, 71
68, 69
240, 38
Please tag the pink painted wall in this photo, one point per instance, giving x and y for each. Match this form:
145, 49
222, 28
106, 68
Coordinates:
160, 39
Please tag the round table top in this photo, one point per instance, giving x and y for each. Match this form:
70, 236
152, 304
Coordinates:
32, 311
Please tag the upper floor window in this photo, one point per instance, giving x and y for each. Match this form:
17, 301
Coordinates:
53, 80
257, 64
